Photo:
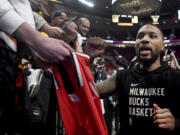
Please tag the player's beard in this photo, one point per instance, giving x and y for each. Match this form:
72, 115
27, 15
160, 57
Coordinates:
148, 61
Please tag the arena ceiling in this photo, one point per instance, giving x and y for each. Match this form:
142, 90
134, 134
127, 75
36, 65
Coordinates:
104, 8
101, 13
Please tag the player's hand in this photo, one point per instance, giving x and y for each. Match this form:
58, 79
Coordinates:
163, 118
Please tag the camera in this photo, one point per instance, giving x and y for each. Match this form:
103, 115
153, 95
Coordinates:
101, 61
169, 51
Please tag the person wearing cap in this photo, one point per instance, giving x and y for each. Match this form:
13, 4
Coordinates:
38, 6
44, 7
65, 29
42, 25
50, 6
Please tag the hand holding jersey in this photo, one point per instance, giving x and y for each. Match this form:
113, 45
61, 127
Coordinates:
95, 46
53, 50
163, 118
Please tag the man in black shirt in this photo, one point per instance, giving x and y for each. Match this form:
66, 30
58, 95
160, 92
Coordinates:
149, 92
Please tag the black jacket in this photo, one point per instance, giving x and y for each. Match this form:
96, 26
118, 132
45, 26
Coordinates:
139, 90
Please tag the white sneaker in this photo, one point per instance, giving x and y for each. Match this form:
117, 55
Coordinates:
34, 81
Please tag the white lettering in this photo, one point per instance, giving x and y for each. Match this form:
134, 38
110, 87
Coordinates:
146, 101
146, 92
143, 112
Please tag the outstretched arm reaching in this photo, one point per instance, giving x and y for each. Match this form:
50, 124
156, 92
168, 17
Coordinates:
53, 50
107, 87
95, 46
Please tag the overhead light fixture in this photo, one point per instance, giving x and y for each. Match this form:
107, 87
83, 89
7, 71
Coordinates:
113, 1
125, 24
178, 15
129, 42
87, 3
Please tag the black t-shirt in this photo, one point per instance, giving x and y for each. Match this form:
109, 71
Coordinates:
139, 90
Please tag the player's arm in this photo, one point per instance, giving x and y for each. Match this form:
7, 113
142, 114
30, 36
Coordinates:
107, 87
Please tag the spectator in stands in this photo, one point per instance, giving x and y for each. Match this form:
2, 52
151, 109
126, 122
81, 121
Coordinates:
83, 29
83, 26
16, 20
44, 7
174, 61
133, 62
57, 17
43, 26
70, 31
100, 72
50, 6
66, 30
170, 58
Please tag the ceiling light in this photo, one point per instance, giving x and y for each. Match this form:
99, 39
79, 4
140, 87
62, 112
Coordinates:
113, 1
125, 24
87, 3
178, 14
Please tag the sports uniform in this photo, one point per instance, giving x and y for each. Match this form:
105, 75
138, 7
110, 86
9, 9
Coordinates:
78, 99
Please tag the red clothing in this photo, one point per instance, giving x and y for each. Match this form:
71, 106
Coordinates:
78, 100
